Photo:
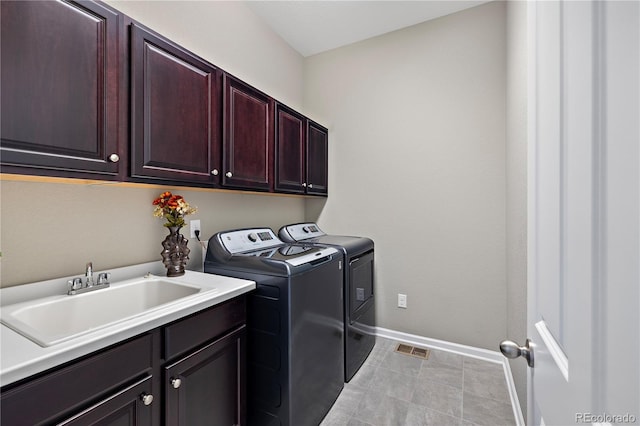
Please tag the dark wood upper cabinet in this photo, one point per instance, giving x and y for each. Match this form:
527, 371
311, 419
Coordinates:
290, 150
89, 93
248, 136
175, 112
317, 159
301, 154
60, 78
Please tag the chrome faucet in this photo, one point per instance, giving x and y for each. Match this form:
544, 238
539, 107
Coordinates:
88, 274
77, 286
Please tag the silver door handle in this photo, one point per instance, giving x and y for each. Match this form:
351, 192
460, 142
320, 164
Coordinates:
513, 350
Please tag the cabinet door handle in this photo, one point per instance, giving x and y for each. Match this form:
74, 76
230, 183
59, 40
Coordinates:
146, 398
214, 172
228, 174
310, 186
114, 158
175, 382
304, 184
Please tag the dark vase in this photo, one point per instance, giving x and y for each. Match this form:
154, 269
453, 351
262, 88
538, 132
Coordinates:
175, 253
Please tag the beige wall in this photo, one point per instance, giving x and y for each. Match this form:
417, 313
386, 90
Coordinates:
51, 230
417, 162
517, 187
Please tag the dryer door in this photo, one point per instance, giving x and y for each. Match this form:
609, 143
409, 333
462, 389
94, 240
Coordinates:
360, 283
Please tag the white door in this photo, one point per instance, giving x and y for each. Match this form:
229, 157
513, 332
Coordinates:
584, 215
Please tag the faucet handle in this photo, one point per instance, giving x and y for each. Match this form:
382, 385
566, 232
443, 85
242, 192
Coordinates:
75, 284
103, 278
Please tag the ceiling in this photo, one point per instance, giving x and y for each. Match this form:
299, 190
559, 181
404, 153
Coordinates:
312, 27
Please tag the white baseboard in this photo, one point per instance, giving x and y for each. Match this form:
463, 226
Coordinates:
471, 351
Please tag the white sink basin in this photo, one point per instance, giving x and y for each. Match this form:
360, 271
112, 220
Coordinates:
52, 320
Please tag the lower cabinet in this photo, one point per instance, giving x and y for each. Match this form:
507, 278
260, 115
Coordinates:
129, 407
207, 386
189, 372
62, 393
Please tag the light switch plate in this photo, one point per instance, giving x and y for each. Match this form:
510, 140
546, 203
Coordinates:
402, 300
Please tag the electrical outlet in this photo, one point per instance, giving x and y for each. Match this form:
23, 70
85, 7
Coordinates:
194, 225
402, 300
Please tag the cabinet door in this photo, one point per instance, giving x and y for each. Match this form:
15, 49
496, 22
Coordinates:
64, 391
290, 150
317, 159
130, 407
60, 88
248, 136
175, 105
208, 386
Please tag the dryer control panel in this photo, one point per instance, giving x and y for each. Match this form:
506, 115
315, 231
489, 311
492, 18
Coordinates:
301, 231
249, 239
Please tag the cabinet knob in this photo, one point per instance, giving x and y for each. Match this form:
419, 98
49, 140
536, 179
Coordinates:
311, 186
175, 382
304, 184
114, 158
228, 174
146, 398
214, 172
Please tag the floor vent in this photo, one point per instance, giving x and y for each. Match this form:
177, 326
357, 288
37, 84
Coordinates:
413, 351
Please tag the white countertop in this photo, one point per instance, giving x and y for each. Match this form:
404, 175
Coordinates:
21, 358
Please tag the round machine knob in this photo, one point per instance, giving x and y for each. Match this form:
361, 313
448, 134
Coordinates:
146, 398
214, 172
114, 158
306, 229
175, 382
252, 237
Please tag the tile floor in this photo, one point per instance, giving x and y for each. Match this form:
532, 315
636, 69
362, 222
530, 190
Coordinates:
447, 389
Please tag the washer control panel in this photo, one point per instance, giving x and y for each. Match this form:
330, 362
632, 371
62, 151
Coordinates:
302, 231
249, 239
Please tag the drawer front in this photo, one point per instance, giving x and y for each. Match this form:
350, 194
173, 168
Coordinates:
203, 326
127, 407
70, 388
